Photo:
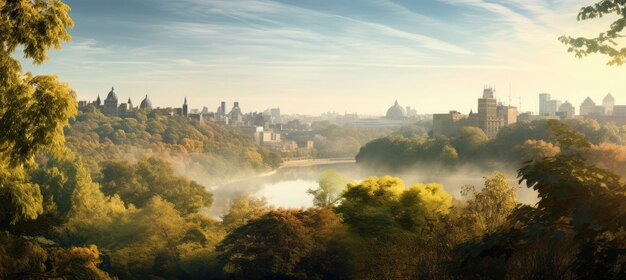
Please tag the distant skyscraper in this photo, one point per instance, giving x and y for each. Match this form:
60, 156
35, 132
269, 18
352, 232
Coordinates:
587, 107
567, 109
222, 111
275, 114
543, 103
235, 114
551, 107
488, 119
608, 103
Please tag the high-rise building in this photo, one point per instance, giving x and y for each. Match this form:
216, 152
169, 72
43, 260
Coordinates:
275, 114
551, 107
222, 111
543, 103
567, 110
235, 114
608, 103
488, 119
588, 107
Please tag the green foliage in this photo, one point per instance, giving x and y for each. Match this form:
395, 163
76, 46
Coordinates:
197, 149
488, 209
581, 207
470, 140
148, 246
513, 145
150, 177
33, 109
28, 258
605, 43
241, 209
284, 244
19, 198
328, 193
397, 152
378, 206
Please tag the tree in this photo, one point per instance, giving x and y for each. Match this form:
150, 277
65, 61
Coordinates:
29, 258
378, 206
470, 140
490, 207
580, 212
605, 43
150, 177
33, 109
241, 209
283, 244
329, 191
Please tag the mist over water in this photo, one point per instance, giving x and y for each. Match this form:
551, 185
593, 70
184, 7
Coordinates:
287, 186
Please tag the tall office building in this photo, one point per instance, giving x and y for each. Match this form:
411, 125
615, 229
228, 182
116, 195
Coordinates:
567, 109
551, 107
488, 119
543, 103
588, 107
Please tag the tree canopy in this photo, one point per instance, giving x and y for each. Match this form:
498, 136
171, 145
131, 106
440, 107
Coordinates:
607, 42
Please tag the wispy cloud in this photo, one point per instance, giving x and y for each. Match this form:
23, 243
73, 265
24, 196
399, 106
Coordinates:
364, 47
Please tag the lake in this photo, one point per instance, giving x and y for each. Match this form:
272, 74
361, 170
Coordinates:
287, 187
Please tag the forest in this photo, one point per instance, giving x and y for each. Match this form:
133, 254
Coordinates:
83, 196
514, 145
195, 148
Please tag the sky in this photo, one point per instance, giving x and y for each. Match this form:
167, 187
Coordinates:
314, 56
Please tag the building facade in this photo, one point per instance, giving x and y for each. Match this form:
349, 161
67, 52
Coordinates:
488, 119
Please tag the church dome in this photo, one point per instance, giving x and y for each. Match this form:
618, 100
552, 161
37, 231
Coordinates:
146, 104
112, 96
396, 112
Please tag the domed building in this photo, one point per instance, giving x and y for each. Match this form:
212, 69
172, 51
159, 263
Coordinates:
396, 112
110, 103
146, 104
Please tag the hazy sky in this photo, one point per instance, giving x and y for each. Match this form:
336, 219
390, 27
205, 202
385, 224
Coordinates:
312, 56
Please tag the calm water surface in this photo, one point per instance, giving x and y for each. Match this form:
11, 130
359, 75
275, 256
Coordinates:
287, 186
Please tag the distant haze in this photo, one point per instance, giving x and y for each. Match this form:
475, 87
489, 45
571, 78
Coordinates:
309, 56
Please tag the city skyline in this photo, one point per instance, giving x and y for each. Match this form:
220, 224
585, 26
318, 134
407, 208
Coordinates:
312, 57
235, 103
